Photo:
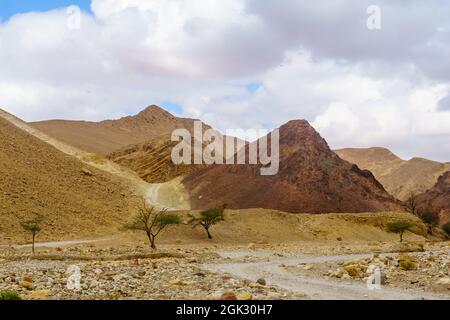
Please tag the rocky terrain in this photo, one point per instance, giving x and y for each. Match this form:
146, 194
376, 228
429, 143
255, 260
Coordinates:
152, 160
311, 179
39, 179
304, 270
437, 198
399, 177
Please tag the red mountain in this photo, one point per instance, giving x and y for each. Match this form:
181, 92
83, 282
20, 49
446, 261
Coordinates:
311, 179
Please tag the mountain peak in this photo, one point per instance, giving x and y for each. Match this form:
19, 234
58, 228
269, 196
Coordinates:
154, 111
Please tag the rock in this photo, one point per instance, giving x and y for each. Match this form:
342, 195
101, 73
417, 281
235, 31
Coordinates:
261, 281
244, 296
27, 279
27, 285
141, 273
228, 296
38, 295
199, 274
443, 284
87, 172
352, 270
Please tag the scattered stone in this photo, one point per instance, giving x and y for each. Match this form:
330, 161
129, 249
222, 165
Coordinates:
261, 281
228, 296
38, 295
244, 296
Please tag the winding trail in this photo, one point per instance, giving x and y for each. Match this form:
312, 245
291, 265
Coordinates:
173, 197
315, 287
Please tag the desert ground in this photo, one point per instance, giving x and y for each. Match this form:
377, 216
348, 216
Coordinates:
254, 254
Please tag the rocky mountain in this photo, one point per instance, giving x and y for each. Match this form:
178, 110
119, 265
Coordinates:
152, 160
76, 200
311, 179
400, 178
437, 198
111, 135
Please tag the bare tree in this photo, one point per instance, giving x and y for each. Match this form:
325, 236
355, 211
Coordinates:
152, 221
412, 204
34, 227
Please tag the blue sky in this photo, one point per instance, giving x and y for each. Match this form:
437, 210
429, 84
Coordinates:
9, 8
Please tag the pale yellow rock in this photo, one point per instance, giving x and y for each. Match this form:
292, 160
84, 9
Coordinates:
245, 296
38, 295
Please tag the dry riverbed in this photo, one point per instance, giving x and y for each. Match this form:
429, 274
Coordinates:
297, 271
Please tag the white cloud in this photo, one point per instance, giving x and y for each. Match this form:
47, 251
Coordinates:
358, 87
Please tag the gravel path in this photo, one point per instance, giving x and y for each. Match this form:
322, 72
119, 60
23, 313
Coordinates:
314, 287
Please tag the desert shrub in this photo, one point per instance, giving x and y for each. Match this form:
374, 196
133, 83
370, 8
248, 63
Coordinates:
9, 295
406, 262
446, 228
430, 219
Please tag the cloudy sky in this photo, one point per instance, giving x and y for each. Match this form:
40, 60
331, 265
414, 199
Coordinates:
238, 64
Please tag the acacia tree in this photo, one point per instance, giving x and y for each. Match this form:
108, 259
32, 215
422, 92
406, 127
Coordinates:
430, 219
152, 221
399, 227
207, 219
34, 227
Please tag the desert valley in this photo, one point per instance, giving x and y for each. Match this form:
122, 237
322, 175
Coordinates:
331, 224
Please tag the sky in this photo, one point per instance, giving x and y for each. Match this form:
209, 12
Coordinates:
363, 73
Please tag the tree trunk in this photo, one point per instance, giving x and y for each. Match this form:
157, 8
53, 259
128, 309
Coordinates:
152, 242
32, 244
401, 236
209, 234
151, 239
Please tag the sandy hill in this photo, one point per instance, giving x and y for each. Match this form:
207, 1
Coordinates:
75, 199
437, 198
311, 179
400, 178
110, 135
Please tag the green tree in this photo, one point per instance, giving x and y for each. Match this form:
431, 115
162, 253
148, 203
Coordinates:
399, 227
34, 227
207, 219
446, 228
430, 219
152, 222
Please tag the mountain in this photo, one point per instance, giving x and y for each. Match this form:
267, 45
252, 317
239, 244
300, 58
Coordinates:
75, 199
311, 179
400, 178
437, 198
111, 135
152, 160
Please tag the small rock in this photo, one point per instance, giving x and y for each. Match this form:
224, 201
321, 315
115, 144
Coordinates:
228, 296
27, 285
38, 295
244, 296
261, 281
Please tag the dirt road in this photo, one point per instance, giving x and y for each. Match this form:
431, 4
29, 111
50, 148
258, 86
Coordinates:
314, 287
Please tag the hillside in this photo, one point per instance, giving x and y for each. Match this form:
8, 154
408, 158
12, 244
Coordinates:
400, 178
110, 135
152, 160
437, 198
76, 200
311, 179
